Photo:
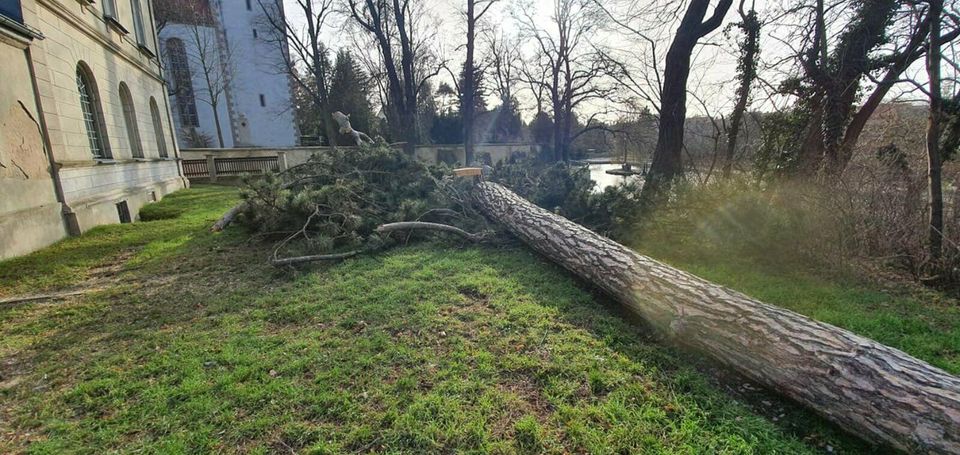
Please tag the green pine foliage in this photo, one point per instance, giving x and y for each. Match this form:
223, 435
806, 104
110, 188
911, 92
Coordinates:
338, 198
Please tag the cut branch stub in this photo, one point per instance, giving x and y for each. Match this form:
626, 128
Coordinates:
875, 391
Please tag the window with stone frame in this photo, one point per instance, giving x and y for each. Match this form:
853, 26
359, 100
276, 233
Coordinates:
10, 9
138, 29
130, 121
158, 128
92, 117
182, 83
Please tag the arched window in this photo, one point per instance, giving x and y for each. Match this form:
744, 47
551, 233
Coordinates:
182, 82
130, 120
92, 114
158, 128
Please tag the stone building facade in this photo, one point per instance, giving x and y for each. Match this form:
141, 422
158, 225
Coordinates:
86, 135
224, 54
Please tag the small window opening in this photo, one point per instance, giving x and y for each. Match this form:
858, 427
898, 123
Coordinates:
249, 6
263, 100
254, 33
123, 211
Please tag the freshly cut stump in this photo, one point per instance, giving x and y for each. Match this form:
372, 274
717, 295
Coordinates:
872, 390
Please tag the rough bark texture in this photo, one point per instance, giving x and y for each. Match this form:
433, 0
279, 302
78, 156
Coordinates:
934, 164
668, 155
747, 69
228, 217
869, 389
467, 107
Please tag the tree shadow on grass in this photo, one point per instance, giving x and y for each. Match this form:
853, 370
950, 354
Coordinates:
685, 373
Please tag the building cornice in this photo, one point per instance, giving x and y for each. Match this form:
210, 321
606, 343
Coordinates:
57, 8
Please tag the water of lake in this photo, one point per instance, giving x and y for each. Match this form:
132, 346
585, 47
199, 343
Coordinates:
598, 173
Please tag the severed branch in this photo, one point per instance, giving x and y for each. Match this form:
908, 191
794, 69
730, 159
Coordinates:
278, 262
423, 225
343, 120
382, 229
228, 217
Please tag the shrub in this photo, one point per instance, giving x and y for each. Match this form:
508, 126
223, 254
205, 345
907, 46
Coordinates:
154, 212
778, 224
567, 190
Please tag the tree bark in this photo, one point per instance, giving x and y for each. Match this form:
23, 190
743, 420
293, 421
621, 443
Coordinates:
867, 388
668, 155
228, 217
748, 71
216, 122
934, 164
468, 89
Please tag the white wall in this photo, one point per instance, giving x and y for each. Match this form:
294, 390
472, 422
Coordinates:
32, 212
257, 72
202, 94
68, 41
29, 210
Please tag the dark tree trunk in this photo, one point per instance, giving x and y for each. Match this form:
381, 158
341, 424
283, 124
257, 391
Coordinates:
558, 135
668, 155
748, 71
811, 149
738, 110
216, 123
934, 164
468, 103
836, 80
869, 389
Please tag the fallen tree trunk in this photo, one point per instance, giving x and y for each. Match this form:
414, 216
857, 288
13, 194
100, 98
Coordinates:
872, 390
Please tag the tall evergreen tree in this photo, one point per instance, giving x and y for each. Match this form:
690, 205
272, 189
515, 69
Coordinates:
310, 116
507, 124
350, 92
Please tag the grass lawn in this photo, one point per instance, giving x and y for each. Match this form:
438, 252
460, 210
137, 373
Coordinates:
920, 322
189, 342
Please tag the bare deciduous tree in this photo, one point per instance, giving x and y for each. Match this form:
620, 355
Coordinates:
668, 155
304, 56
934, 163
204, 53
567, 67
503, 53
476, 9
747, 73
844, 45
403, 53
216, 68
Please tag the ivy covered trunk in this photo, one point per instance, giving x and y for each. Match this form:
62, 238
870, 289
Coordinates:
872, 390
